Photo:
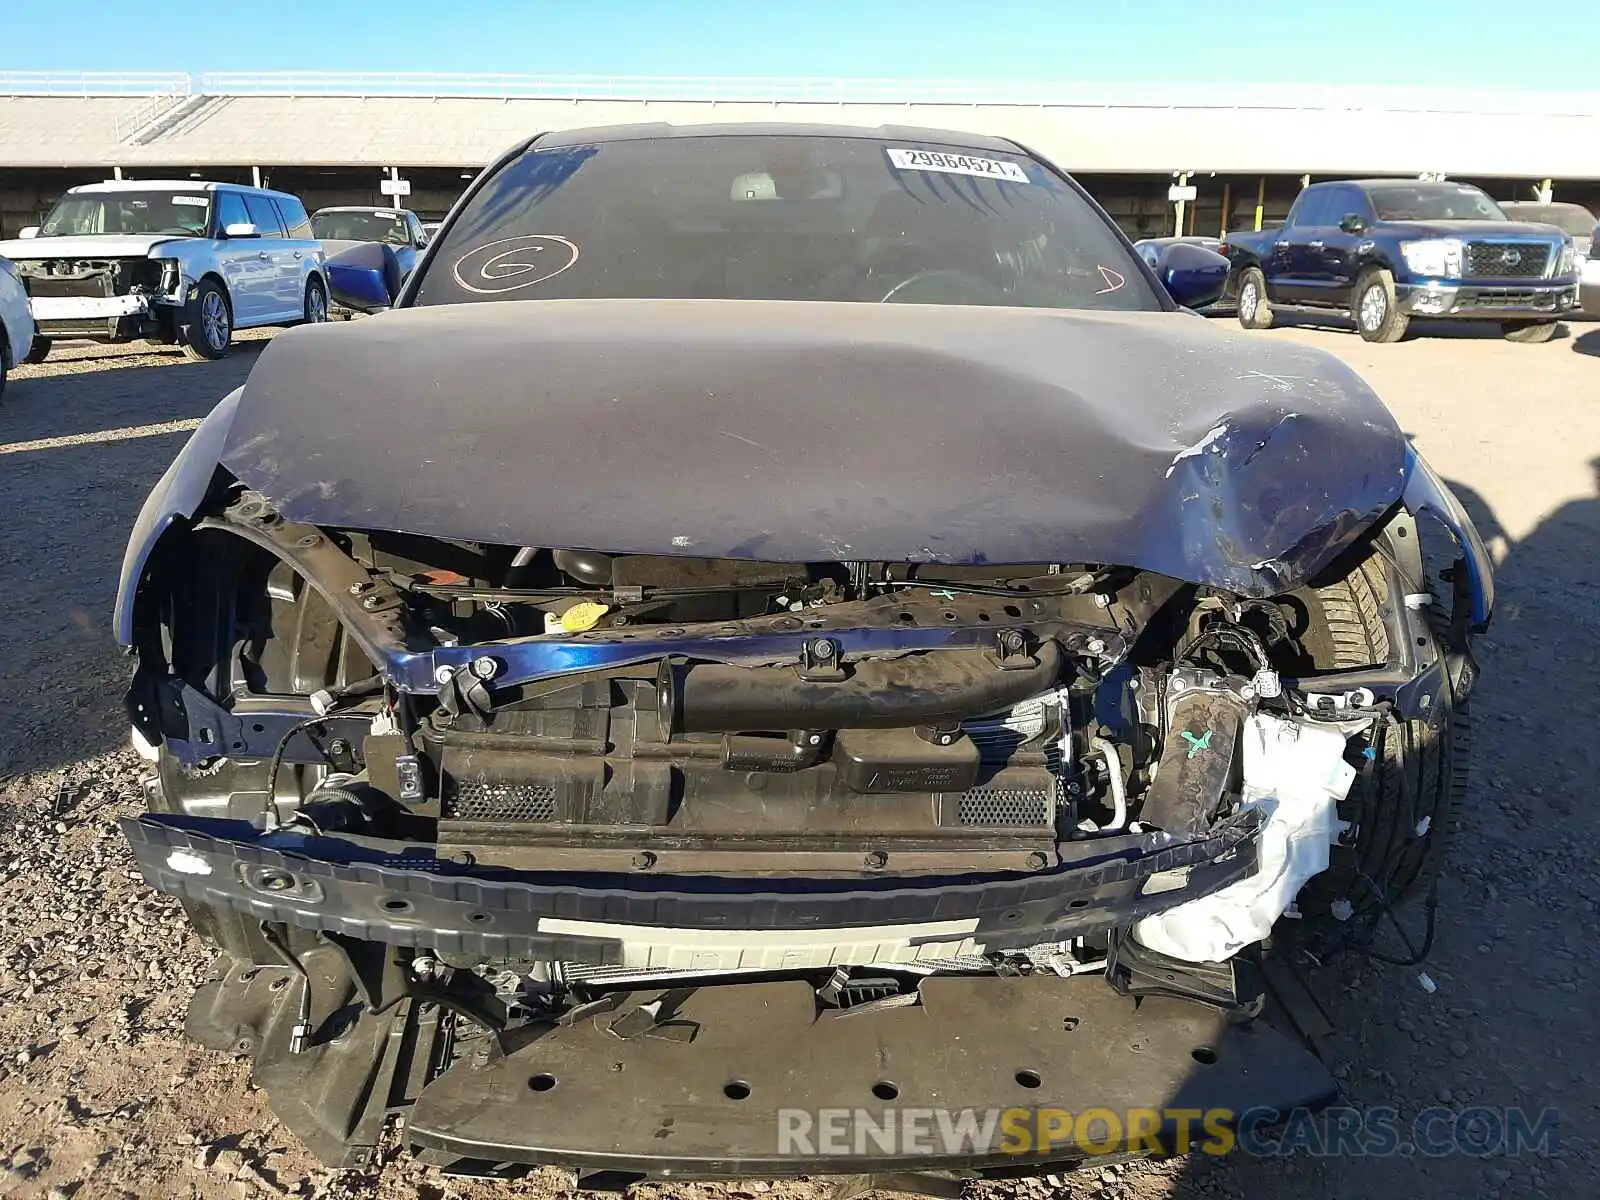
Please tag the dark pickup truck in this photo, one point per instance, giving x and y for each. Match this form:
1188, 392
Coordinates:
1387, 251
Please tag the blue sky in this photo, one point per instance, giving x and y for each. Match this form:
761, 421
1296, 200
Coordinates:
1471, 43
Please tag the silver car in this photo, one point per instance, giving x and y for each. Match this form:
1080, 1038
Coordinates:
16, 322
1578, 223
1589, 288
175, 261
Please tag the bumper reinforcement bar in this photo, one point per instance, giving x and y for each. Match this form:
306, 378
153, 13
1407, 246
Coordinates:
339, 885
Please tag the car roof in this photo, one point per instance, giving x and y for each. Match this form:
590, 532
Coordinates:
1402, 181
147, 185
171, 185
365, 208
1542, 204
662, 129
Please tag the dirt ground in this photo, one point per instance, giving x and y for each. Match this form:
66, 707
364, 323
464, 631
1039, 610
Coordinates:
100, 1096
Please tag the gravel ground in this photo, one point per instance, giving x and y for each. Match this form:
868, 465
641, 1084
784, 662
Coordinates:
100, 1096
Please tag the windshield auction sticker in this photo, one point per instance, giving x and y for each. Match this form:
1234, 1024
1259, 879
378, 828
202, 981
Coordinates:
956, 164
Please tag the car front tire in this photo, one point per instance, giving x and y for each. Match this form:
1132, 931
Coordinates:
1406, 801
1254, 310
1372, 304
207, 330
316, 302
38, 351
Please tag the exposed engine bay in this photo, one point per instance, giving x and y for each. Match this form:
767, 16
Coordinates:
661, 716
886, 718
150, 291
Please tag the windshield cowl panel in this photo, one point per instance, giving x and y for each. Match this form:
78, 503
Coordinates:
784, 217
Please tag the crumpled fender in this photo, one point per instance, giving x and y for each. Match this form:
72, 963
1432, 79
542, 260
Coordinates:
175, 497
1426, 493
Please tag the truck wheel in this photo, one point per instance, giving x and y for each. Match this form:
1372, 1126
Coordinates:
1254, 310
1406, 800
1528, 331
39, 351
1373, 306
207, 330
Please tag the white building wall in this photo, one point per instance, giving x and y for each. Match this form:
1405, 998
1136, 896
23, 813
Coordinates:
1531, 137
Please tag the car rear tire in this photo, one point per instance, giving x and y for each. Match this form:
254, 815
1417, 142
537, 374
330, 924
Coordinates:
1528, 331
316, 302
1411, 779
207, 330
1373, 306
5, 354
38, 351
1255, 312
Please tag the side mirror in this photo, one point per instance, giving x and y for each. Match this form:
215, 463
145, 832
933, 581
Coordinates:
1192, 275
364, 278
32, 231
1353, 223
240, 229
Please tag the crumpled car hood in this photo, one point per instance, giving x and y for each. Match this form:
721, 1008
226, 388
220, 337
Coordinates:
823, 432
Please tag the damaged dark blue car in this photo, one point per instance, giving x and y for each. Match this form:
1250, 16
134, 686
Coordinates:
784, 618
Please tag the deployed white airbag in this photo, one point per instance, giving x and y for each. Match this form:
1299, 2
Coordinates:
1295, 772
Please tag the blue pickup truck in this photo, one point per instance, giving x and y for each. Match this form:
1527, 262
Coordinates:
1387, 251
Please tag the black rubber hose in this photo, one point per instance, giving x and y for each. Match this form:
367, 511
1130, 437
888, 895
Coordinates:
932, 688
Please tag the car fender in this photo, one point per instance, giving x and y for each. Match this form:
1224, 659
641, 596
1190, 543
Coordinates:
16, 318
196, 258
176, 497
1426, 493
1372, 252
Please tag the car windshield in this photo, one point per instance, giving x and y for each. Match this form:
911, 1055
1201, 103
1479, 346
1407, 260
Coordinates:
784, 217
379, 226
1572, 219
182, 213
1433, 202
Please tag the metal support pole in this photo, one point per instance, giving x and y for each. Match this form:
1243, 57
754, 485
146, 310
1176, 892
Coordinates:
116, 172
1261, 201
1183, 181
1227, 208
1547, 191
255, 176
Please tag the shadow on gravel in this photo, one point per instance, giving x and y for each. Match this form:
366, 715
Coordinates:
89, 399
68, 510
1588, 343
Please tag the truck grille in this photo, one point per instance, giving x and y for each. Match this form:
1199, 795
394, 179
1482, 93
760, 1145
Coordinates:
1507, 260
1515, 298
